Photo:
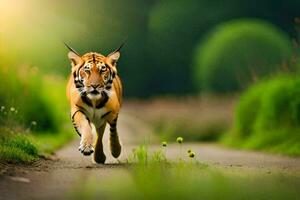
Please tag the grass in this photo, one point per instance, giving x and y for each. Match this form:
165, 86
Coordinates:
48, 142
188, 182
26, 148
152, 176
36, 124
268, 117
16, 148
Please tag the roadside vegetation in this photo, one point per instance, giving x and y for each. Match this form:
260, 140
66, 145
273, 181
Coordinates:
268, 117
151, 175
33, 119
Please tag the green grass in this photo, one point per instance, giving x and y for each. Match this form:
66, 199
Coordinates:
26, 148
48, 142
268, 117
36, 124
16, 148
151, 176
141, 156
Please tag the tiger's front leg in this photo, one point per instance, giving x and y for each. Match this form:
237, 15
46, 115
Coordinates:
84, 129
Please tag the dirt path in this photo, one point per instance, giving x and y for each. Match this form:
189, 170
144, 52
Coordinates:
57, 177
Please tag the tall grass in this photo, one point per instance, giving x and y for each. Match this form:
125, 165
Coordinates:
33, 109
268, 117
21, 89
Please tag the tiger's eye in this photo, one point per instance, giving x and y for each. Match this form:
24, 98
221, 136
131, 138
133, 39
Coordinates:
103, 68
86, 68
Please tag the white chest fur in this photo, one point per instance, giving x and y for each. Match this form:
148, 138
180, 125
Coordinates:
96, 115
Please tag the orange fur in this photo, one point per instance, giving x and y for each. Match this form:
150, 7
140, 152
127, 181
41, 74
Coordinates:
94, 91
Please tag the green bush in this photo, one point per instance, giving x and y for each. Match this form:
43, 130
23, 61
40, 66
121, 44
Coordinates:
235, 53
26, 99
268, 117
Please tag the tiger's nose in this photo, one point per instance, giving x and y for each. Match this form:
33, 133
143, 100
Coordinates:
95, 85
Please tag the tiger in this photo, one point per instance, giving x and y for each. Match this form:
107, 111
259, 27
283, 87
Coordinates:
94, 91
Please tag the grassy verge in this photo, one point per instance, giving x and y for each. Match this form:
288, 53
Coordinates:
188, 182
268, 117
34, 116
152, 176
16, 148
27, 148
48, 142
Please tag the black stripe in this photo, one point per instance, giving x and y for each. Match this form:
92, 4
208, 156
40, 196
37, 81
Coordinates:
86, 100
104, 101
82, 113
113, 133
94, 60
77, 131
77, 74
113, 129
73, 121
80, 107
77, 83
77, 112
105, 114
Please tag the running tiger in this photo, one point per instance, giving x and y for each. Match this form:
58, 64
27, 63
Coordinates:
94, 91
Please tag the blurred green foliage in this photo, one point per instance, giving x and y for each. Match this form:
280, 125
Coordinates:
188, 181
268, 117
167, 128
21, 99
238, 52
162, 35
176, 26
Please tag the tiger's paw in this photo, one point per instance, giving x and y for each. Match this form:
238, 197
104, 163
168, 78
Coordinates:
86, 149
115, 148
99, 158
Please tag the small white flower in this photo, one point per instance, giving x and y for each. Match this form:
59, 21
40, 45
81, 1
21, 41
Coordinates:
2, 108
33, 123
12, 109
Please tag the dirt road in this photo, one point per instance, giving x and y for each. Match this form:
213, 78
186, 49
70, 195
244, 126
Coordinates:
57, 177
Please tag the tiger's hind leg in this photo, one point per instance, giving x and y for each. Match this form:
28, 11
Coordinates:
99, 156
115, 146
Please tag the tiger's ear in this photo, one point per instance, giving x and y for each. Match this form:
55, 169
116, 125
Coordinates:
73, 56
113, 57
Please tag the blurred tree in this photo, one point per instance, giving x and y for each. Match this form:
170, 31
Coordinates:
176, 26
238, 52
161, 34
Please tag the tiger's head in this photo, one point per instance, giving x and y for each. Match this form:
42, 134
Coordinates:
93, 73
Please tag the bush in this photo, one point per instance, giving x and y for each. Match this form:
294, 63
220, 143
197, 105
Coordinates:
268, 117
25, 92
235, 53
